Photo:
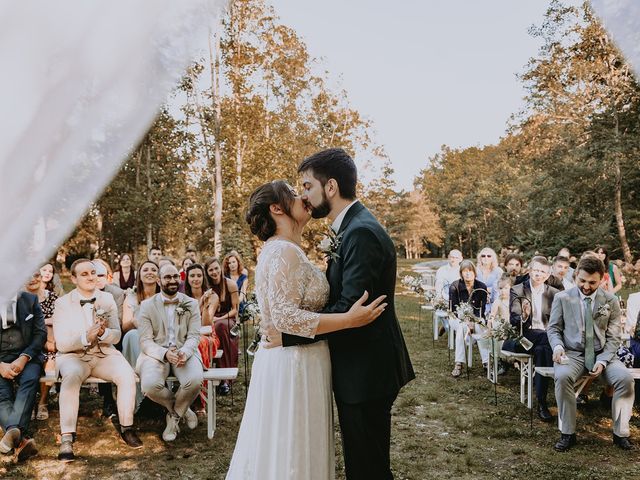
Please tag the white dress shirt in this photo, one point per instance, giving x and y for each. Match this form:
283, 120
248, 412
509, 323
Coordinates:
170, 310
536, 307
5, 308
445, 276
335, 226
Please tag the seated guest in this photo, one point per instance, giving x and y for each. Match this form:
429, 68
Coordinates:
191, 253
186, 263
584, 333
561, 269
489, 272
530, 307
233, 269
125, 275
47, 300
169, 325
51, 279
224, 317
146, 287
445, 276
166, 261
155, 254
612, 280
500, 308
86, 327
513, 264
22, 336
109, 408
468, 289
195, 285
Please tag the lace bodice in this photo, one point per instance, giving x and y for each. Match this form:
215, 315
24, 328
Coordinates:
290, 291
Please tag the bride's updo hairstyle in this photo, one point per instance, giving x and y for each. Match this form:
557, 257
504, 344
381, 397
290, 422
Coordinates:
258, 215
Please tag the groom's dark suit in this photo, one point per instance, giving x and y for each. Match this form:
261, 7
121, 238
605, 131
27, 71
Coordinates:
369, 364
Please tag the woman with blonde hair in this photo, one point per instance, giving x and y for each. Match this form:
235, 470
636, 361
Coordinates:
489, 272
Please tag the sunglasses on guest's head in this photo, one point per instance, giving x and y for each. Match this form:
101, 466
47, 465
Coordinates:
485, 255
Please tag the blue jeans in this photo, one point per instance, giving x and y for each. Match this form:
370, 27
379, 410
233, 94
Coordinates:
16, 408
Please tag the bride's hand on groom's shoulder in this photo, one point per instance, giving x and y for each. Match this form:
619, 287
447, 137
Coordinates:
361, 314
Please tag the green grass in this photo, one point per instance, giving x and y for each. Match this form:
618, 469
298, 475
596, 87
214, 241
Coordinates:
442, 428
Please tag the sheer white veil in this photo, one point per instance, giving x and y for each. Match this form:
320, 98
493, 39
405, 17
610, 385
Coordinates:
81, 83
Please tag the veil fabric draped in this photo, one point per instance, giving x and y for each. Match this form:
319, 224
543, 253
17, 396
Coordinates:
81, 83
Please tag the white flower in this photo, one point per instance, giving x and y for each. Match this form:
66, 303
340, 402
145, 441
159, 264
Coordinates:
179, 310
325, 244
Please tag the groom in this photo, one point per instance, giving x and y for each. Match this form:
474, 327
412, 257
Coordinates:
369, 364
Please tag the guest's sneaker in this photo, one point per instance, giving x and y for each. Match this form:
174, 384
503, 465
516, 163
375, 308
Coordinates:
66, 448
566, 442
26, 449
171, 430
10, 440
622, 442
191, 418
130, 437
43, 412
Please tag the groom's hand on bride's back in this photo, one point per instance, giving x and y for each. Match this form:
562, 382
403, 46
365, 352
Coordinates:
361, 314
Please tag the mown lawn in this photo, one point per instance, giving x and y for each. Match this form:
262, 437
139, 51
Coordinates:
442, 428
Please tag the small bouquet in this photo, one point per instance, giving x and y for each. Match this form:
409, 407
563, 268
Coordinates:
501, 329
439, 303
413, 283
429, 296
465, 313
249, 309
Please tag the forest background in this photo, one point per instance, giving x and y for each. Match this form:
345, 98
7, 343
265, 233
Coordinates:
564, 174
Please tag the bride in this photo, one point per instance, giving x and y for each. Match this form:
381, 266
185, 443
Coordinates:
287, 427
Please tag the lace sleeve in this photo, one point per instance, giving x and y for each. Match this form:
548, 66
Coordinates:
285, 292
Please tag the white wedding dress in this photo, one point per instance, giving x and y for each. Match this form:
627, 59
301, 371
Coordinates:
287, 426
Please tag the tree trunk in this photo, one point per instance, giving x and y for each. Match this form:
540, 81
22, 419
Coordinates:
622, 233
215, 98
148, 196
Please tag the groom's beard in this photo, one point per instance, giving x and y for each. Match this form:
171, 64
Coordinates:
321, 210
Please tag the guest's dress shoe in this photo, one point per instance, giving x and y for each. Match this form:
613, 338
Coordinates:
109, 409
543, 413
582, 400
10, 440
622, 442
223, 389
66, 448
130, 437
26, 449
566, 442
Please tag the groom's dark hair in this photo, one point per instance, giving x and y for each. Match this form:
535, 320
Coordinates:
591, 264
333, 163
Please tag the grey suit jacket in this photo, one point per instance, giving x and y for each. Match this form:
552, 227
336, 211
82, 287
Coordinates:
566, 325
153, 328
118, 296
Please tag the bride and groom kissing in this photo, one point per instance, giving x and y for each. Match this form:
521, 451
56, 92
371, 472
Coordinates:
318, 334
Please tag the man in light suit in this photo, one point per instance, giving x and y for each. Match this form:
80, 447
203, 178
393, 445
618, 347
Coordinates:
85, 325
22, 336
584, 332
169, 325
530, 305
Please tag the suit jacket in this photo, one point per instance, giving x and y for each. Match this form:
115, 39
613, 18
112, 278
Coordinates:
458, 293
523, 290
69, 324
153, 328
566, 325
369, 362
552, 281
118, 296
30, 320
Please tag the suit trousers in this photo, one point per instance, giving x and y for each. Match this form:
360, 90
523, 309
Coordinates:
75, 369
542, 357
366, 438
15, 409
153, 376
615, 374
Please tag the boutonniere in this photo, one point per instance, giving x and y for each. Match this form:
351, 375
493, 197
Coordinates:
101, 314
182, 308
603, 310
330, 244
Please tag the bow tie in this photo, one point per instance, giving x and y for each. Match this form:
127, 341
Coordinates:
84, 302
175, 301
